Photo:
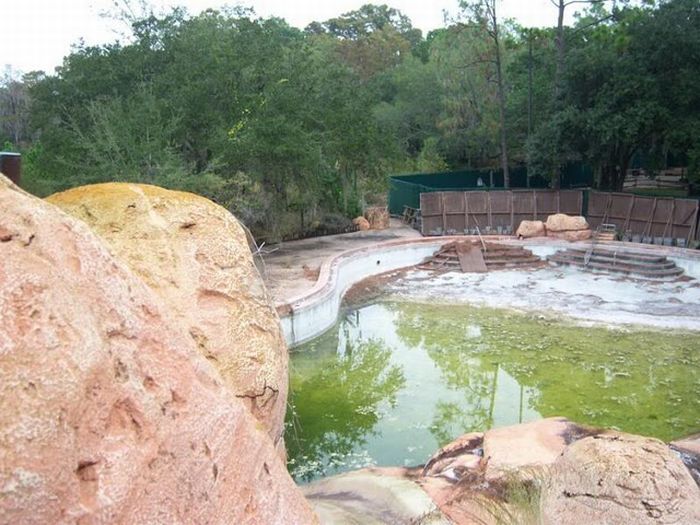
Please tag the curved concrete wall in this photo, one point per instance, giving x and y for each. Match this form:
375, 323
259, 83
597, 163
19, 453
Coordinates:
312, 313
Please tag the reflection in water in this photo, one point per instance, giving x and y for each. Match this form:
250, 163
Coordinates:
394, 381
340, 389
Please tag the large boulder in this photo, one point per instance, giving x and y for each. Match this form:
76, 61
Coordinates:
522, 450
377, 217
108, 414
373, 496
688, 449
560, 222
567, 227
619, 478
529, 229
195, 256
361, 223
571, 235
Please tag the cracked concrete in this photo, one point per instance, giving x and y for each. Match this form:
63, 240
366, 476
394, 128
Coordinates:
589, 298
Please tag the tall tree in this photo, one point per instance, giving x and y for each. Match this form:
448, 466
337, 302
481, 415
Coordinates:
14, 107
372, 39
484, 14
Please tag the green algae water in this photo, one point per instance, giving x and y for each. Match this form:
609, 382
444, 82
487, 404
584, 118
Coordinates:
394, 381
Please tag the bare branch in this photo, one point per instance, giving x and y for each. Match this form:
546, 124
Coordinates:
593, 23
477, 62
570, 2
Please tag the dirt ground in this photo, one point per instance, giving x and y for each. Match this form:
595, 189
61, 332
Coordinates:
290, 268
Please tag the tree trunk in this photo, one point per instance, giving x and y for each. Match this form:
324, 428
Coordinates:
598, 177
529, 101
559, 72
621, 172
501, 92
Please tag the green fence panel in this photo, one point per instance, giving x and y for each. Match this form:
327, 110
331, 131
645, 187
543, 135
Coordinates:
405, 190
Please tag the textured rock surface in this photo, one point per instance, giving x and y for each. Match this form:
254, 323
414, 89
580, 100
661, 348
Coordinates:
378, 217
372, 496
195, 256
688, 449
690, 443
107, 412
522, 448
453, 459
530, 229
572, 235
361, 223
620, 479
560, 222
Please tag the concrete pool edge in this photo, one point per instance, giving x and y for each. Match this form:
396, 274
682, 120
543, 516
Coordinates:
311, 313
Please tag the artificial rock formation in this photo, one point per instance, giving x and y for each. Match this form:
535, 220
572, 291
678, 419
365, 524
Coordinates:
560, 222
377, 217
108, 414
373, 496
549, 471
688, 449
620, 478
567, 227
195, 256
529, 229
361, 223
522, 450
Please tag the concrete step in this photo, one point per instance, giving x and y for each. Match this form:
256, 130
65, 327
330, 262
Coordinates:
621, 254
493, 263
515, 262
490, 255
650, 273
496, 256
615, 261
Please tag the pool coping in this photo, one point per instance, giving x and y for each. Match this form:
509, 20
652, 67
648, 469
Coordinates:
325, 295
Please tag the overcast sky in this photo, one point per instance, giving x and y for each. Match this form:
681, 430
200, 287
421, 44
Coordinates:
37, 34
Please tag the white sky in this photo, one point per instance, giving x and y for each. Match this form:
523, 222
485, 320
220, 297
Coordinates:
37, 34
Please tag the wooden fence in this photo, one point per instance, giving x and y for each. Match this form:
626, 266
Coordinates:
646, 216
457, 212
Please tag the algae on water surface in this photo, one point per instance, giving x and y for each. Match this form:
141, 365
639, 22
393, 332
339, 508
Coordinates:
396, 380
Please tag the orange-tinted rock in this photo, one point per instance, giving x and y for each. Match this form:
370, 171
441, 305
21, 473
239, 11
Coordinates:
195, 256
454, 458
572, 235
378, 217
560, 222
529, 229
526, 447
690, 444
107, 412
688, 449
372, 496
361, 223
618, 479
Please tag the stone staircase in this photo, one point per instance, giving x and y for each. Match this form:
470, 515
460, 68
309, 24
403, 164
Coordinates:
636, 264
496, 256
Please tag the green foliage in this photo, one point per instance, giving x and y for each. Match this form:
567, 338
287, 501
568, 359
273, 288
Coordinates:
290, 128
334, 407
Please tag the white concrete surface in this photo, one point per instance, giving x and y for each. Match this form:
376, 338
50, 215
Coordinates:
580, 295
314, 313
556, 292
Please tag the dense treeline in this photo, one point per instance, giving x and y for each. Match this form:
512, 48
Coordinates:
293, 129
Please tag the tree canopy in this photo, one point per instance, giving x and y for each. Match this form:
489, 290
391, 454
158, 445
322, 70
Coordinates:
295, 129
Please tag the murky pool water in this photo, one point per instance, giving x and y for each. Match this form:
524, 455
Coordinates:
393, 381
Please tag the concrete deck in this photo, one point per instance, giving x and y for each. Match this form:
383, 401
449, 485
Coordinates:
309, 278
292, 268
